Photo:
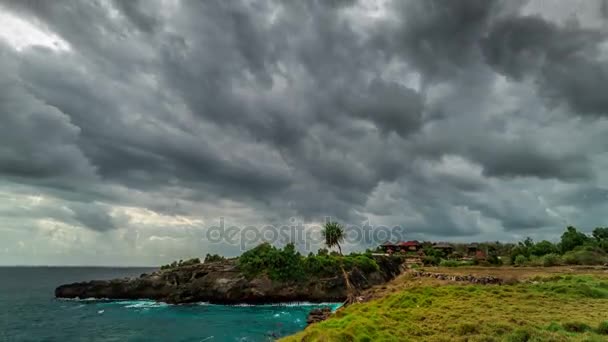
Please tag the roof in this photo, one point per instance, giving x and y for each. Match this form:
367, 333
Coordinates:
473, 245
410, 243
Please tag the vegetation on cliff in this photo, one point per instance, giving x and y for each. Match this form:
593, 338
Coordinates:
288, 264
180, 263
557, 308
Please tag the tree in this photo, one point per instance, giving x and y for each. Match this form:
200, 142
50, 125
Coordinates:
600, 233
543, 248
572, 238
333, 233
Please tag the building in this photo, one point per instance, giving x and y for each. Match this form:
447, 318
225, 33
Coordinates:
410, 246
443, 247
401, 246
390, 247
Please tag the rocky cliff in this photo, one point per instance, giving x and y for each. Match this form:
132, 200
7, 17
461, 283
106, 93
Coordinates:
223, 283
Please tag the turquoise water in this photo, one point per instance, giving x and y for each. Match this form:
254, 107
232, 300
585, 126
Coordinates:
28, 312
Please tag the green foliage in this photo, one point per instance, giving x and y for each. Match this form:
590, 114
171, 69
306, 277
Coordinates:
576, 327
572, 238
193, 261
213, 258
454, 263
585, 256
600, 233
602, 328
431, 260
287, 264
543, 248
520, 335
279, 264
575, 248
334, 234
520, 260
551, 259
323, 251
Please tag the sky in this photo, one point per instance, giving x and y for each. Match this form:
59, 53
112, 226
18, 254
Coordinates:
139, 132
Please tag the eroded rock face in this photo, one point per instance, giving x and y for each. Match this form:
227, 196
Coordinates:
222, 283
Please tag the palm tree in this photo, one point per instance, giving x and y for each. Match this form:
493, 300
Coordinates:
333, 232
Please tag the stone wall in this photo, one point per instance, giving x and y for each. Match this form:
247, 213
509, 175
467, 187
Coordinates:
484, 280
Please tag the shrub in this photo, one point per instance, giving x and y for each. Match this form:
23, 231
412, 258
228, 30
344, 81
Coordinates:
454, 263
576, 327
585, 256
603, 328
520, 260
179, 263
551, 259
431, 260
279, 264
449, 263
554, 326
534, 260
213, 258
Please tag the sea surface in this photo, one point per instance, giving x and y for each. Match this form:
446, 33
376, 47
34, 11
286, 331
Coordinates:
29, 312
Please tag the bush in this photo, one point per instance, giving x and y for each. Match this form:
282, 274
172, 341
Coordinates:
576, 327
213, 258
534, 260
585, 256
454, 263
279, 264
179, 263
520, 260
287, 264
603, 328
551, 259
554, 327
431, 260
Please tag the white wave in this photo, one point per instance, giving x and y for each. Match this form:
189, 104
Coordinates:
142, 304
337, 305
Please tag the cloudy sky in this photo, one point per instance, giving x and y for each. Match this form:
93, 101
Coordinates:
128, 128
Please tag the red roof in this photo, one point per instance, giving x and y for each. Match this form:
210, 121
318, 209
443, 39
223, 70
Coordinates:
410, 243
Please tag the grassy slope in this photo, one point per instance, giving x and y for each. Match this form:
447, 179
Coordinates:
428, 310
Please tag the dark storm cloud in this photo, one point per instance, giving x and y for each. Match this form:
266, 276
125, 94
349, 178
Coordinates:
440, 38
565, 61
306, 108
93, 216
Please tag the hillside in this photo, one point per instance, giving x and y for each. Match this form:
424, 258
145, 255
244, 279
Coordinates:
533, 304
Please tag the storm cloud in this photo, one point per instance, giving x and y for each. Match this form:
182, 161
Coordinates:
130, 127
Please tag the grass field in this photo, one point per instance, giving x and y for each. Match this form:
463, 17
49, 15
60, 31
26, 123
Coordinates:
547, 304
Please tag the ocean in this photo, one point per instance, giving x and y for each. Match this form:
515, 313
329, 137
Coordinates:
29, 312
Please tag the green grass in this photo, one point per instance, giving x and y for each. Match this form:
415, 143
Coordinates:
564, 308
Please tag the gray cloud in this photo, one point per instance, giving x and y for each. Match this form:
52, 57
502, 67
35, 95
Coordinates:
464, 120
565, 61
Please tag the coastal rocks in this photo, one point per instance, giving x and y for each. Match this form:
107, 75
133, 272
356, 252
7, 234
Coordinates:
485, 280
222, 283
318, 315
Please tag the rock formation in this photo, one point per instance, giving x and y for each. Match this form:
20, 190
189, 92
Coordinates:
222, 283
